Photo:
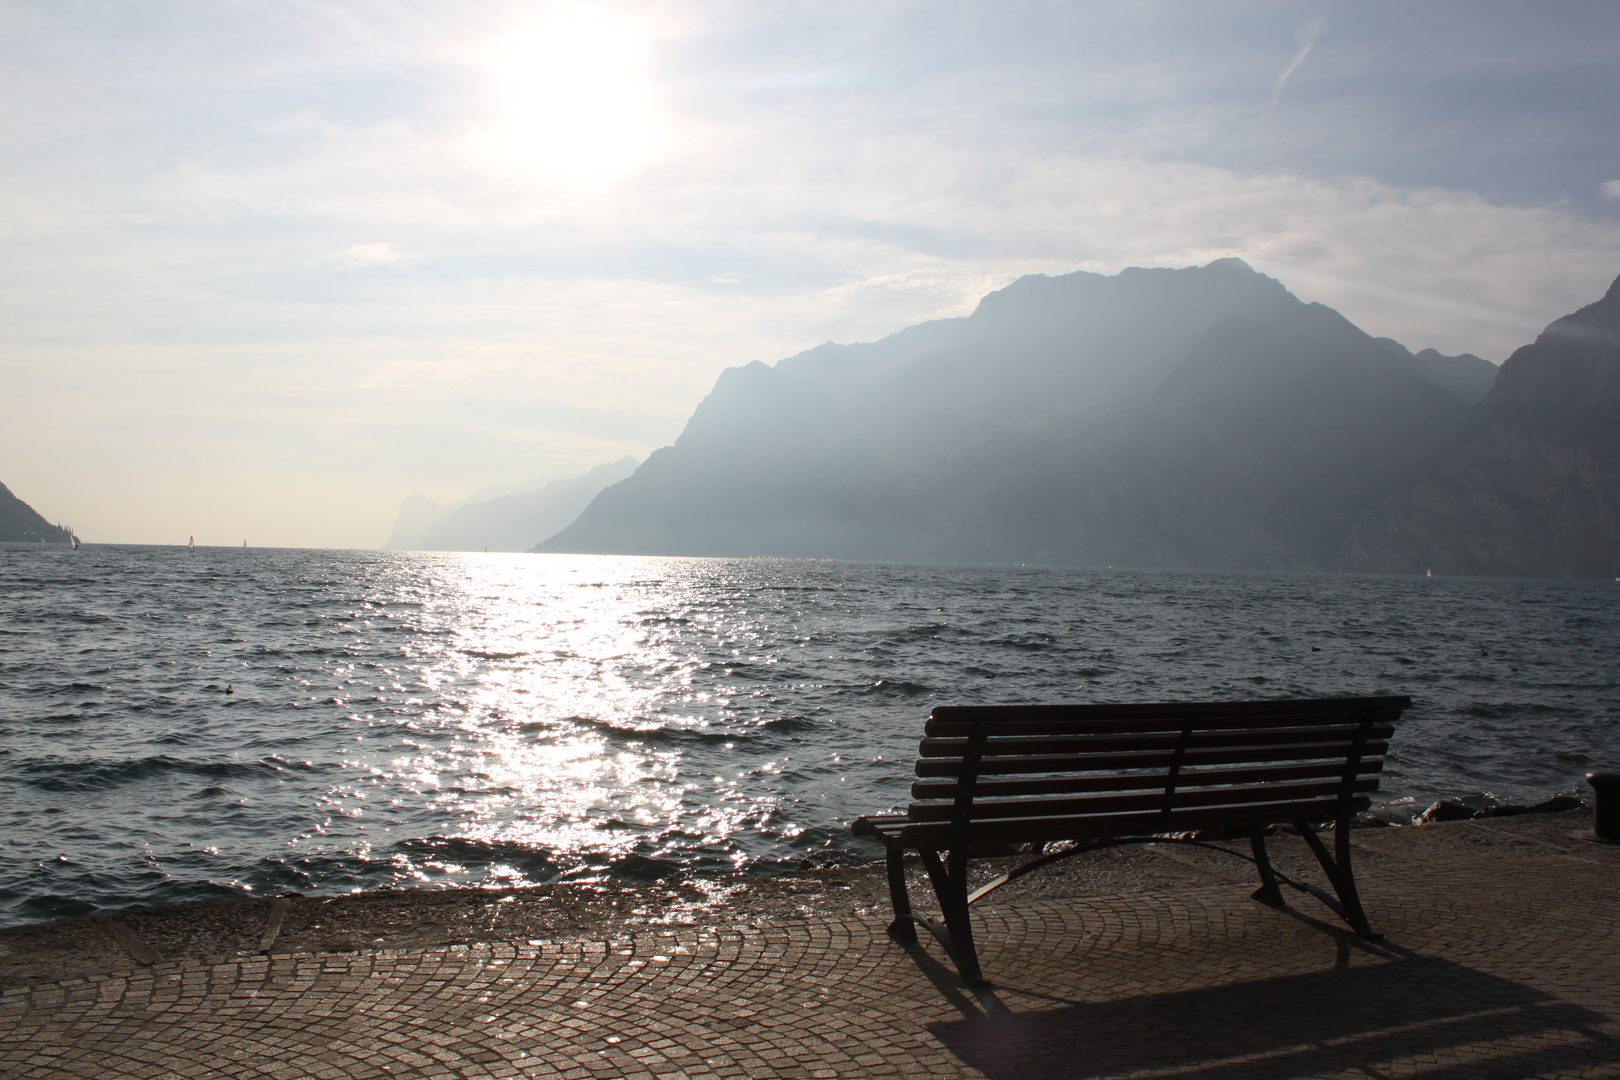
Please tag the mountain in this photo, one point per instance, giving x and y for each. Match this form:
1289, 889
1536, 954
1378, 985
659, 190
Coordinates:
506, 523
1529, 485
20, 524
1267, 442
1194, 417
417, 513
1466, 377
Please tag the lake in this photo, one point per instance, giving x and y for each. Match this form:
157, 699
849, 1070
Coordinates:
247, 721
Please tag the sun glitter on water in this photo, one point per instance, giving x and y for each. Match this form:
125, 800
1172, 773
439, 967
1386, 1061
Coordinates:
574, 100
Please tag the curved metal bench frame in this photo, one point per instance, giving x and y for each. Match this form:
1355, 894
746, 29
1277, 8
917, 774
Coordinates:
946, 862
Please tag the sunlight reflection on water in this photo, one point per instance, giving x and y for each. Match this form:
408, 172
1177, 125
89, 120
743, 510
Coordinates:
553, 705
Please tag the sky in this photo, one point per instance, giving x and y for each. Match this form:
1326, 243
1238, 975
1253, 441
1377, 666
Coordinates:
267, 268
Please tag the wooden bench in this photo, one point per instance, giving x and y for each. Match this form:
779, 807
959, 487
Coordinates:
1102, 775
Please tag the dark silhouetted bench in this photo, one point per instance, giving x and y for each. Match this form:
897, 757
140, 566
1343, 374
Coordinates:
1102, 775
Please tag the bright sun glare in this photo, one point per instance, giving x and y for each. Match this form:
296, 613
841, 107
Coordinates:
575, 101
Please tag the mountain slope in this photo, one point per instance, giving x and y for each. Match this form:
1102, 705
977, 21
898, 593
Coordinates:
417, 513
1194, 417
1530, 484
1466, 377
1268, 442
20, 524
507, 523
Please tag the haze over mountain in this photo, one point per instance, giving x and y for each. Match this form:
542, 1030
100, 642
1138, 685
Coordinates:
21, 524
1530, 482
1195, 417
493, 521
418, 513
1465, 377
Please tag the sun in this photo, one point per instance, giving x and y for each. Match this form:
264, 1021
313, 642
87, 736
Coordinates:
575, 102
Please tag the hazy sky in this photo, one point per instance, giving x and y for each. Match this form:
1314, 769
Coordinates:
268, 267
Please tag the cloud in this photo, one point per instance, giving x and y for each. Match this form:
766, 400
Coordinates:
1611, 189
365, 256
1305, 37
426, 372
1302, 279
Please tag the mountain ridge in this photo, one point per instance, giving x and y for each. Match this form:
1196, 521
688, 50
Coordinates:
1067, 419
502, 522
1201, 417
1529, 485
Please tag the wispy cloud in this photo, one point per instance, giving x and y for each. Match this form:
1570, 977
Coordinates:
398, 373
1305, 37
1316, 281
1611, 189
365, 256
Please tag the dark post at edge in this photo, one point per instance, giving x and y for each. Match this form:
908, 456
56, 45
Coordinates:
1605, 805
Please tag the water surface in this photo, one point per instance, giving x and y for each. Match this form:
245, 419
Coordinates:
248, 721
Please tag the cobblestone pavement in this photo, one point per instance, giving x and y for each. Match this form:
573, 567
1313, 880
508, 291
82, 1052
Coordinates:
1500, 961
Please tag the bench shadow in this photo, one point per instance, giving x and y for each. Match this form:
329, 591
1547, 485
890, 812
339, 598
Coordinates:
1434, 1018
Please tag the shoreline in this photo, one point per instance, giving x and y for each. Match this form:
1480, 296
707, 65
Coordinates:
1395, 814
427, 919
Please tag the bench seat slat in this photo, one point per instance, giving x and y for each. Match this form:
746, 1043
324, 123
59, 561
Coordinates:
986, 809
877, 824
1054, 763
1075, 784
1135, 710
937, 835
946, 728
998, 746
958, 719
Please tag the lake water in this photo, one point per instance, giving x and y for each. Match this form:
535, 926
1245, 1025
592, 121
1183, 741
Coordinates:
235, 722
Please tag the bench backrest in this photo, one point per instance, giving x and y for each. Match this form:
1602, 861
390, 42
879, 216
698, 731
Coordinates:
1022, 772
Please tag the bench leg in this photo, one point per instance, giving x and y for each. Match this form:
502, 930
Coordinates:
903, 929
959, 920
1267, 893
1339, 872
1347, 883
950, 888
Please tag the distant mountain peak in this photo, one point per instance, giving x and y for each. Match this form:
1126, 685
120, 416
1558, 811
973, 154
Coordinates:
1232, 262
510, 521
22, 524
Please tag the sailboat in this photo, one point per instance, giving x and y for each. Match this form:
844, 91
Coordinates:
191, 545
72, 536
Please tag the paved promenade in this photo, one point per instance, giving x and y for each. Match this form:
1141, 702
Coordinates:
1501, 958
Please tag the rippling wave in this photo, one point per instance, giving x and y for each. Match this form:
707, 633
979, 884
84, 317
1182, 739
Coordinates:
189, 726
